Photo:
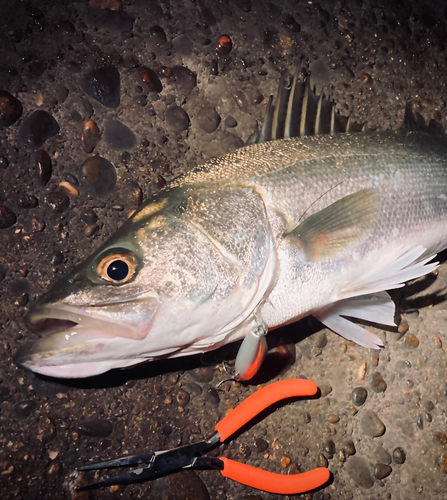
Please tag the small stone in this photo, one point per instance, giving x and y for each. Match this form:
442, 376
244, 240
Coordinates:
185, 79
381, 471
325, 390
91, 230
183, 398
208, 119
441, 437
349, 447
211, 395
90, 136
177, 118
399, 456
26, 200
118, 136
245, 451
89, 216
37, 225
382, 456
412, 341
332, 418
57, 258
321, 341
214, 68
59, 202
230, 122
100, 175
305, 417
403, 327
224, 45
44, 167
377, 383
184, 485
444, 462
203, 374
357, 468
285, 461
10, 109
159, 34
36, 129
260, 445
7, 217
103, 84
371, 425
322, 460
69, 188
95, 428
150, 78
329, 447
359, 395
24, 409
3, 162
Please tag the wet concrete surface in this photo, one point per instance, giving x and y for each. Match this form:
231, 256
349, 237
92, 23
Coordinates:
169, 85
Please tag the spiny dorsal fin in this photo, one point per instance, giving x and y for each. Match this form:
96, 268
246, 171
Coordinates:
298, 111
344, 223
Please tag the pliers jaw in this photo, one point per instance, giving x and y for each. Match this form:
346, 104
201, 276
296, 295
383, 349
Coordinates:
156, 464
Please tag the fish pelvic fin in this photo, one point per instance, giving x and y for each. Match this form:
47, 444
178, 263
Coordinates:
298, 111
339, 226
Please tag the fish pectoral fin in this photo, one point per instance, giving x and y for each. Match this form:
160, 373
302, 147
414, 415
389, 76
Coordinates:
339, 226
376, 308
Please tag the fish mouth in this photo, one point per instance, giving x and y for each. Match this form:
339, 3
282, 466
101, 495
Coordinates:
78, 342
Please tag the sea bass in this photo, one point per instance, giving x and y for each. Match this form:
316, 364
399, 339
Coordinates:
292, 225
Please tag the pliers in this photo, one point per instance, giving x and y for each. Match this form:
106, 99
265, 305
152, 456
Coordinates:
161, 463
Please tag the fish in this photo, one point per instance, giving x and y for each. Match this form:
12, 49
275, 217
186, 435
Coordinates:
316, 216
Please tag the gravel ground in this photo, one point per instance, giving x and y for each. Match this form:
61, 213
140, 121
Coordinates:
153, 88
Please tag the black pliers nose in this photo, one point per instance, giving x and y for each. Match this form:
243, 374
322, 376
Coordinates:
161, 463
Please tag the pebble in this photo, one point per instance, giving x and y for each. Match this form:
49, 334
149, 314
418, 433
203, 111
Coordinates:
377, 383
241, 101
325, 390
224, 45
177, 118
399, 456
131, 195
371, 425
36, 129
37, 225
57, 258
208, 119
91, 230
412, 341
103, 84
357, 468
332, 418
329, 447
444, 462
382, 456
260, 445
90, 136
182, 45
150, 78
95, 428
59, 202
202, 374
381, 471
321, 340
69, 188
230, 122
441, 437
3, 162
100, 175
322, 460
285, 461
10, 109
44, 167
24, 409
359, 395
159, 34
7, 217
349, 447
185, 485
26, 200
183, 397
214, 68
185, 79
212, 395
118, 136
305, 417
89, 216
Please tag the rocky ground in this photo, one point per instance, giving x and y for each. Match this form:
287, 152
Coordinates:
99, 108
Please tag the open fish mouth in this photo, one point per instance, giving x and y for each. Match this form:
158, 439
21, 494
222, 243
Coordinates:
76, 342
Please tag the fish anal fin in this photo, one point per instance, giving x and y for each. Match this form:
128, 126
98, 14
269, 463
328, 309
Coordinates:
339, 226
375, 308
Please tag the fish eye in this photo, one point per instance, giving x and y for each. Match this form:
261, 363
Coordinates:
117, 268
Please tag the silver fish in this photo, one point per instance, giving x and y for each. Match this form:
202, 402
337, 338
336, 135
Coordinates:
292, 225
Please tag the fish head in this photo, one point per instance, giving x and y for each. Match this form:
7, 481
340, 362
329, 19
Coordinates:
148, 292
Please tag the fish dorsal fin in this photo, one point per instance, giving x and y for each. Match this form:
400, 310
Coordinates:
345, 223
298, 111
